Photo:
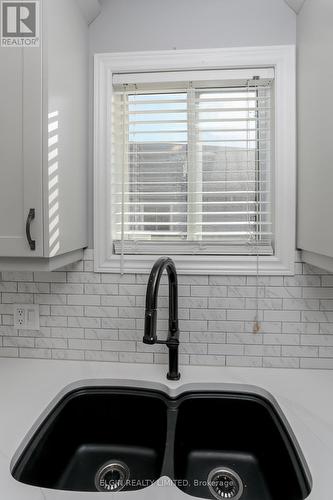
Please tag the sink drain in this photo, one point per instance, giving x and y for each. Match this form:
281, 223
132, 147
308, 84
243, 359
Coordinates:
112, 477
225, 483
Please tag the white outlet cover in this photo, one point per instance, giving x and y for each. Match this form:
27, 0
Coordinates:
26, 316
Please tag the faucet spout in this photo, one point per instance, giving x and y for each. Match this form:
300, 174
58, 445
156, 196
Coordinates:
150, 335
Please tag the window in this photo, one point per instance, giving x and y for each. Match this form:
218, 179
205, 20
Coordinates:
192, 164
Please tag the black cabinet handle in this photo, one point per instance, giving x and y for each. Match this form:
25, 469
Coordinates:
30, 218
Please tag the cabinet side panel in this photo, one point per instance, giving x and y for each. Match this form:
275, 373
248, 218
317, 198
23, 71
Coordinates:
65, 171
315, 111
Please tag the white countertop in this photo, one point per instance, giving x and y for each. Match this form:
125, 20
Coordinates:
28, 386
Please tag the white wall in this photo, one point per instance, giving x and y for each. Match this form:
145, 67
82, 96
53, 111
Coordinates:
130, 25
183, 24
315, 111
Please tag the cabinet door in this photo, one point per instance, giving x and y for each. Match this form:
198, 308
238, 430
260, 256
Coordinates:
20, 151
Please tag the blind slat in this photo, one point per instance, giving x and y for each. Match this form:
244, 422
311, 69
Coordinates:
227, 223
172, 183
247, 212
175, 203
203, 110
206, 233
140, 102
180, 193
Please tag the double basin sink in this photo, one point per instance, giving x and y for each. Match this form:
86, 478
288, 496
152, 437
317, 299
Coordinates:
233, 444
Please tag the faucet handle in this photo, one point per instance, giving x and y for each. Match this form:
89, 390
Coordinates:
150, 327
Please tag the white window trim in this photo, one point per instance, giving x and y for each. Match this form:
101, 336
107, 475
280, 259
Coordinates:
282, 58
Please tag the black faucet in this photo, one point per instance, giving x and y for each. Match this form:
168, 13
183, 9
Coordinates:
150, 336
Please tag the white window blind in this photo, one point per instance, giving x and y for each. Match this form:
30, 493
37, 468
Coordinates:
191, 162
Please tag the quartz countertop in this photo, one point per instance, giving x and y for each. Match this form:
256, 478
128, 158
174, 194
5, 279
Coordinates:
27, 388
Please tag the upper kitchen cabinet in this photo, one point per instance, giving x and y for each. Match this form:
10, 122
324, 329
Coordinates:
315, 111
44, 141
20, 151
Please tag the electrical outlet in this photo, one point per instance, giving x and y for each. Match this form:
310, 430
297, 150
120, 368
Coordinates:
20, 317
26, 316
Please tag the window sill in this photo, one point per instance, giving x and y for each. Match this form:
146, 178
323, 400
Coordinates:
194, 265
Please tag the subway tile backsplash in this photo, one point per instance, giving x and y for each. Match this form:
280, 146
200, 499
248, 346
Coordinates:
99, 317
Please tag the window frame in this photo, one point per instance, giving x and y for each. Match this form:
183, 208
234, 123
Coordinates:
282, 58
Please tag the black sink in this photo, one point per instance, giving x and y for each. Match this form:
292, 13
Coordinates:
230, 444
243, 443
90, 428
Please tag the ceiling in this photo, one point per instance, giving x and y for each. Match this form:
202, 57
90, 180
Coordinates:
296, 5
92, 8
